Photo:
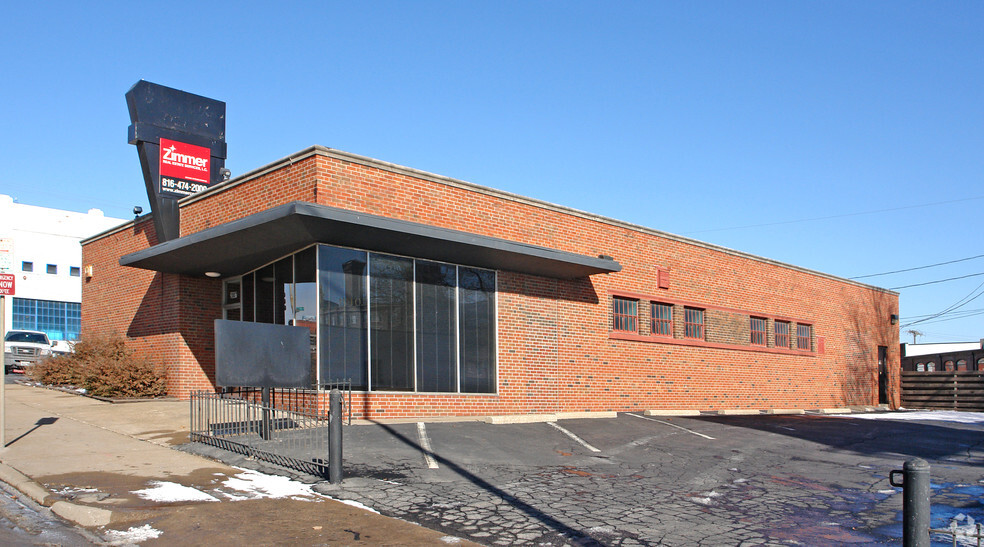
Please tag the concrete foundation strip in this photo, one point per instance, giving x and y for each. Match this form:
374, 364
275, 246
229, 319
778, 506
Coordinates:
672, 425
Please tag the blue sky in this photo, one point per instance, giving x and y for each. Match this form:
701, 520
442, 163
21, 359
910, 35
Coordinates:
844, 137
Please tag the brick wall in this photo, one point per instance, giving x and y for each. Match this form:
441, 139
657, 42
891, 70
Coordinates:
557, 350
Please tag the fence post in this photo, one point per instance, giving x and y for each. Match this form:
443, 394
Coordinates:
335, 436
915, 501
265, 424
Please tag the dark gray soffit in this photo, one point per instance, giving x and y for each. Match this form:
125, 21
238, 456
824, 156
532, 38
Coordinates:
248, 243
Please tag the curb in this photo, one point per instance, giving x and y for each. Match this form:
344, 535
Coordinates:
83, 515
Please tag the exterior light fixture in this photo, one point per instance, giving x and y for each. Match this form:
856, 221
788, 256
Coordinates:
87, 271
213, 274
895, 318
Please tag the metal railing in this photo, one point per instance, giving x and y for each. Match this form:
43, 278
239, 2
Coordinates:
958, 533
285, 427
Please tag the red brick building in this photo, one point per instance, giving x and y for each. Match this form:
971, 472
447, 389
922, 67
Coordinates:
441, 297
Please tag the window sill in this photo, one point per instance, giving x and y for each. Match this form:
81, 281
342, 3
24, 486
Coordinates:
692, 342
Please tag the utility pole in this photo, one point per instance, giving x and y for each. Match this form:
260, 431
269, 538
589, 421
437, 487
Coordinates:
914, 334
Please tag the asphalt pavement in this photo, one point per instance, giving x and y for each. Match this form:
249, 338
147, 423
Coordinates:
127, 473
113, 469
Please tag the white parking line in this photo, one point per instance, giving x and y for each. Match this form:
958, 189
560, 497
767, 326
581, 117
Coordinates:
671, 425
575, 437
425, 444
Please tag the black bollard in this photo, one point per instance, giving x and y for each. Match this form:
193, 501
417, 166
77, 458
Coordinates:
266, 426
335, 436
915, 501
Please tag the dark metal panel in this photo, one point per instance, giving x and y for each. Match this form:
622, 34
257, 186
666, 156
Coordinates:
158, 112
250, 242
262, 355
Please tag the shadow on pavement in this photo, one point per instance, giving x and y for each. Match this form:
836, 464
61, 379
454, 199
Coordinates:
870, 437
39, 423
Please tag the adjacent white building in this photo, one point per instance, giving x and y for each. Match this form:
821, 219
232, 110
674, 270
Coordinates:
40, 246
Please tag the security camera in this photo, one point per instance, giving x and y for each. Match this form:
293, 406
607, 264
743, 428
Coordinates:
137, 210
225, 173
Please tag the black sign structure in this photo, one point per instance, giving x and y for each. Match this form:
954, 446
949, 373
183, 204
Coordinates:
192, 130
262, 355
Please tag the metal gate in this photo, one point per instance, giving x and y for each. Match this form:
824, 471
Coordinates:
290, 428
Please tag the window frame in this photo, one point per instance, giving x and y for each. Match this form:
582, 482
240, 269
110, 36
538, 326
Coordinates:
758, 337
27, 266
809, 337
663, 321
782, 339
694, 322
622, 317
52, 269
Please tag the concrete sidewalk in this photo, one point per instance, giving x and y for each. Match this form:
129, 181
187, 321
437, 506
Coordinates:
113, 469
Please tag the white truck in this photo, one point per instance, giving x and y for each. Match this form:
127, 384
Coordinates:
23, 348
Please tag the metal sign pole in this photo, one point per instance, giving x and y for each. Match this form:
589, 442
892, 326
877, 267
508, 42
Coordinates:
3, 383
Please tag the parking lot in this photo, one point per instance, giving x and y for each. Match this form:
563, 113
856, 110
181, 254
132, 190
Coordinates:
638, 480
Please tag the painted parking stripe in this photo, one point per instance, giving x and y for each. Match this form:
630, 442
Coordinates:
425, 445
575, 437
672, 425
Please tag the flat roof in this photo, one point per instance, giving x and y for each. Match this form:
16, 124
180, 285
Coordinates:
258, 239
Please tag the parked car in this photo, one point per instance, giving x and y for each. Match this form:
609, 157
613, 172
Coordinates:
23, 348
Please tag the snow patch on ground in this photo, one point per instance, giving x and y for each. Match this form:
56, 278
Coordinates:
450, 539
170, 491
132, 536
937, 415
256, 485
357, 505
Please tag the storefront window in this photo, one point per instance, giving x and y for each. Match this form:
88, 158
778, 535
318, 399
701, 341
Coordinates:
385, 322
436, 327
344, 351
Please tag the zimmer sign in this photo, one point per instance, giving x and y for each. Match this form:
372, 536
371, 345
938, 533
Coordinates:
184, 168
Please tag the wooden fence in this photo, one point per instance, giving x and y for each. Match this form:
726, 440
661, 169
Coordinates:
943, 390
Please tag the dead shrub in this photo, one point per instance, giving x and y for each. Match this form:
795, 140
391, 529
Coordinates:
104, 367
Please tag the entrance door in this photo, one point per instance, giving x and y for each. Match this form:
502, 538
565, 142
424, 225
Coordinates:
882, 375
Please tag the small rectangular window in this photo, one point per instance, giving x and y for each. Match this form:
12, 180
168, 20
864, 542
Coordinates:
625, 313
693, 323
52, 269
782, 334
757, 325
662, 319
803, 337
75, 271
27, 266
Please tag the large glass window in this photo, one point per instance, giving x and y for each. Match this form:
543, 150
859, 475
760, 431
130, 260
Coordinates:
391, 318
476, 317
437, 349
344, 350
386, 322
59, 320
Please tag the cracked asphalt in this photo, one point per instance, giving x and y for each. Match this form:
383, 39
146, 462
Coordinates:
737, 480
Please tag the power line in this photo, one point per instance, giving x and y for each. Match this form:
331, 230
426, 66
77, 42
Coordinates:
937, 281
859, 213
919, 267
952, 307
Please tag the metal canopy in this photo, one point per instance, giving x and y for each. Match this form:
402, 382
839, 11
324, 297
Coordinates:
248, 243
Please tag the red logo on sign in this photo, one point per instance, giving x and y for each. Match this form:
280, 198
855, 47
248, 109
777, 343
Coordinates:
7, 284
184, 161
